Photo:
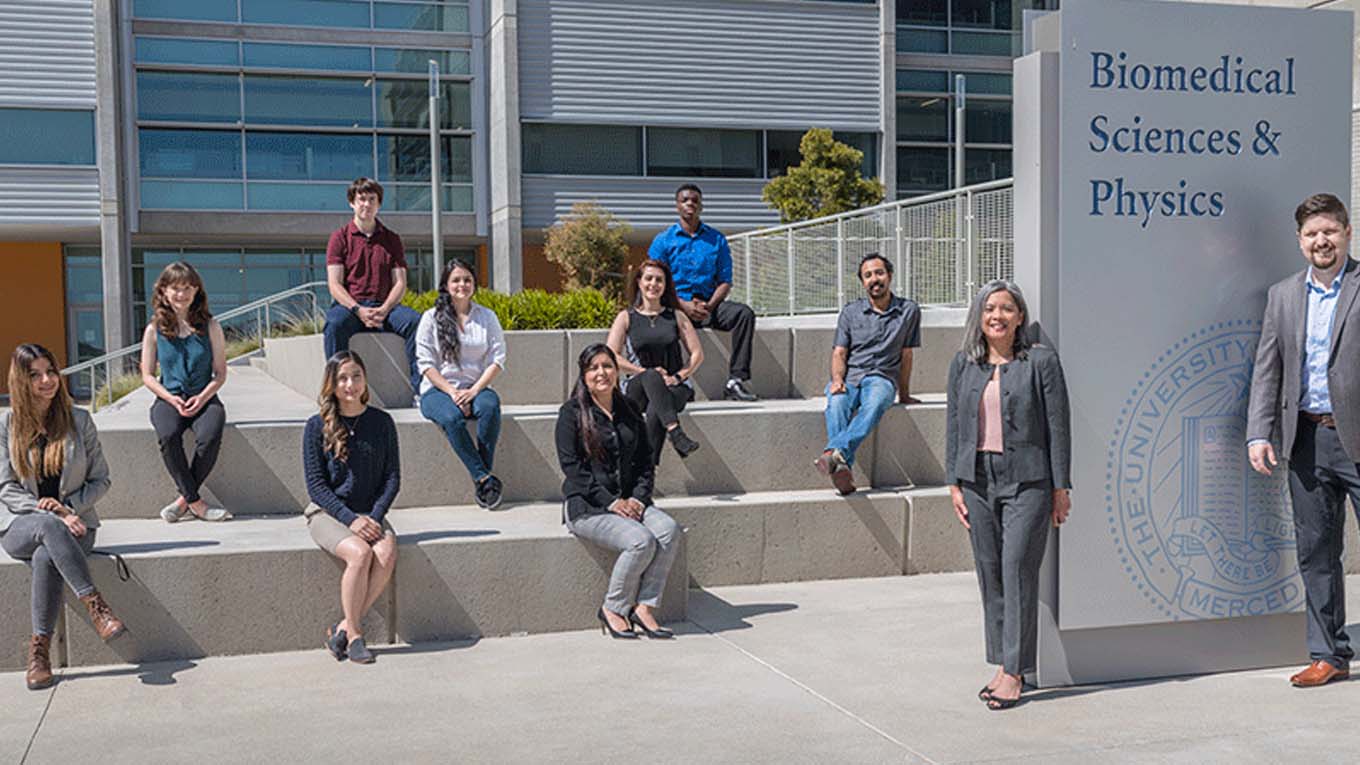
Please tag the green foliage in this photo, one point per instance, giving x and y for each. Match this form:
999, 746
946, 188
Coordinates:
589, 246
826, 182
536, 309
115, 389
420, 302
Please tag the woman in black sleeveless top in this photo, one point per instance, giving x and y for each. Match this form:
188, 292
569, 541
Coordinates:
648, 338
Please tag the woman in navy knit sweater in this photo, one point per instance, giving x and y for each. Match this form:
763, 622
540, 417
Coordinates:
349, 455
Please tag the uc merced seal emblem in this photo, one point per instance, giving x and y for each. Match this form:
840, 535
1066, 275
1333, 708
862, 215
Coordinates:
1198, 532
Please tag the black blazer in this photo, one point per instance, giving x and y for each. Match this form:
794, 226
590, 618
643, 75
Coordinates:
591, 486
1034, 412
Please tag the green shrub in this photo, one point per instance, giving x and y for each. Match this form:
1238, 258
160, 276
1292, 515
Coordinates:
420, 302
115, 389
536, 309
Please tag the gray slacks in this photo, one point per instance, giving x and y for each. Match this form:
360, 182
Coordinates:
1321, 474
44, 542
646, 552
1009, 533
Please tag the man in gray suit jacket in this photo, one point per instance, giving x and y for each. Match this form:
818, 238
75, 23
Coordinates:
1305, 392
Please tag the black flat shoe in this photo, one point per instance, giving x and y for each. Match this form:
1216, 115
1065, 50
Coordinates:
660, 633
996, 705
985, 693
607, 629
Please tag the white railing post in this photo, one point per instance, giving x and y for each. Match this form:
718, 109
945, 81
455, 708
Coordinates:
970, 248
840, 262
899, 253
793, 306
746, 241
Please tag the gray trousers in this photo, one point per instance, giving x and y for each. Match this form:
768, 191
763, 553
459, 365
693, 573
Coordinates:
1009, 533
646, 552
44, 542
1321, 474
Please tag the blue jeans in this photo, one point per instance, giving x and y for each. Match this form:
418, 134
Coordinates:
341, 325
851, 416
439, 408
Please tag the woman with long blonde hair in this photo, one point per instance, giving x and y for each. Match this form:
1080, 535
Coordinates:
353, 471
188, 346
52, 471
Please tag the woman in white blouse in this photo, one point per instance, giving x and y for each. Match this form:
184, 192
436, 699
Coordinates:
460, 349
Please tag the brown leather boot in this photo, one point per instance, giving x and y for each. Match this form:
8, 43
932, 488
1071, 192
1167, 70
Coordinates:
39, 674
105, 623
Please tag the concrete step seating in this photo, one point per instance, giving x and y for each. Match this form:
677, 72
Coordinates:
258, 584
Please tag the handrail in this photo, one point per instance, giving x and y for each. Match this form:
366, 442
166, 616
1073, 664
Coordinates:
937, 196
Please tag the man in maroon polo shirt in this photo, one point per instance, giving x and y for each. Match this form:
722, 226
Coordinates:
366, 274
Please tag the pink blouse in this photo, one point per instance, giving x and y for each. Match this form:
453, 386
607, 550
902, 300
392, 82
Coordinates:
989, 416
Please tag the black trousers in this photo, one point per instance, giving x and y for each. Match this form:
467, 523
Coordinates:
1321, 474
740, 320
207, 426
660, 403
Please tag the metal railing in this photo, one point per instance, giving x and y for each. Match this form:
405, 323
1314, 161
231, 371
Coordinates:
943, 247
254, 320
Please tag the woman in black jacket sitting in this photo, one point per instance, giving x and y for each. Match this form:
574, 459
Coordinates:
607, 463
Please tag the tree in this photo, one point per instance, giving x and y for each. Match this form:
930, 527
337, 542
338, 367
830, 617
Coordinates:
589, 245
826, 182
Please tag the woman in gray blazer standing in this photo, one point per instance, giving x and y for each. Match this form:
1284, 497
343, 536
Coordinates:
52, 471
1007, 458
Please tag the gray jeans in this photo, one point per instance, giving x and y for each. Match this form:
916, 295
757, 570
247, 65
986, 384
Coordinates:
646, 552
44, 542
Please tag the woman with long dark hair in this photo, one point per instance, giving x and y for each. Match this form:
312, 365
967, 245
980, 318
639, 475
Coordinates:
353, 471
648, 339
460, 349
52, 471
1008, 460
188, 346
608, 472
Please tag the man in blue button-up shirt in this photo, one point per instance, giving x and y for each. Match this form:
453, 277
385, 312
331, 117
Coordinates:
1305, 391
701, 265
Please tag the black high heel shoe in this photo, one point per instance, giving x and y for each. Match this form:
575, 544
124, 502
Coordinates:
660, 633
607, 629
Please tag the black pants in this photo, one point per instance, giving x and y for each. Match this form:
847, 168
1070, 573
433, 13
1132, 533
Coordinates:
1321, 474
740, 320
207, 426
661, 404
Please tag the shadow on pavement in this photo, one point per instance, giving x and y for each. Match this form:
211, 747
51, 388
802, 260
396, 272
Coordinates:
713, 614
419, 648
153, 673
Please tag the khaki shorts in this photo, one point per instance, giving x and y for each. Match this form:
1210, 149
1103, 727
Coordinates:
328, 533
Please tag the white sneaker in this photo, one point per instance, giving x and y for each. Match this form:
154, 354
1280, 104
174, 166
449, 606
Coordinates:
171, 513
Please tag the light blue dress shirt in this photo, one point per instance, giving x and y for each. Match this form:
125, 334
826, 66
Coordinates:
1318, 345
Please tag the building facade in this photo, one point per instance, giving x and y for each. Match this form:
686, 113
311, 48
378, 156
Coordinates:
138, 132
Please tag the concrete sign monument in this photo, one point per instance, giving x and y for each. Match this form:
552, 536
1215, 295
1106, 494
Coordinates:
1160, 151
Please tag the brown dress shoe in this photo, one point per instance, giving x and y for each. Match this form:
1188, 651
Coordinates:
105, 623
1319, 673
843, 479
39, 673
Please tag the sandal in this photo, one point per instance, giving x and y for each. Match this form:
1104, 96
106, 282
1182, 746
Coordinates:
172, 512
985, 694
996, 705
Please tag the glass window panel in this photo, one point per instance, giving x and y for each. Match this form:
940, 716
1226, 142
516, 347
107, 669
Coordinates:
867, 143
308, 13
987, 121
925, 12
199, 10
923, 118
308, 156
89, 335
405, 104
418, 61
188, 97
297, 196
47, 136
292, 56
407, 158
987, 14
703, 153
922, 41
263, 281
273, 258
189, 153
922, 169
308, 101
987, 82
434, 17
987, 43
416, 198
781, 150
982, 165
164, 50
84, 279
923, 79
582, 149
183, 195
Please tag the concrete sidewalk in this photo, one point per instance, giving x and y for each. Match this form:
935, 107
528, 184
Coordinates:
852, 671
